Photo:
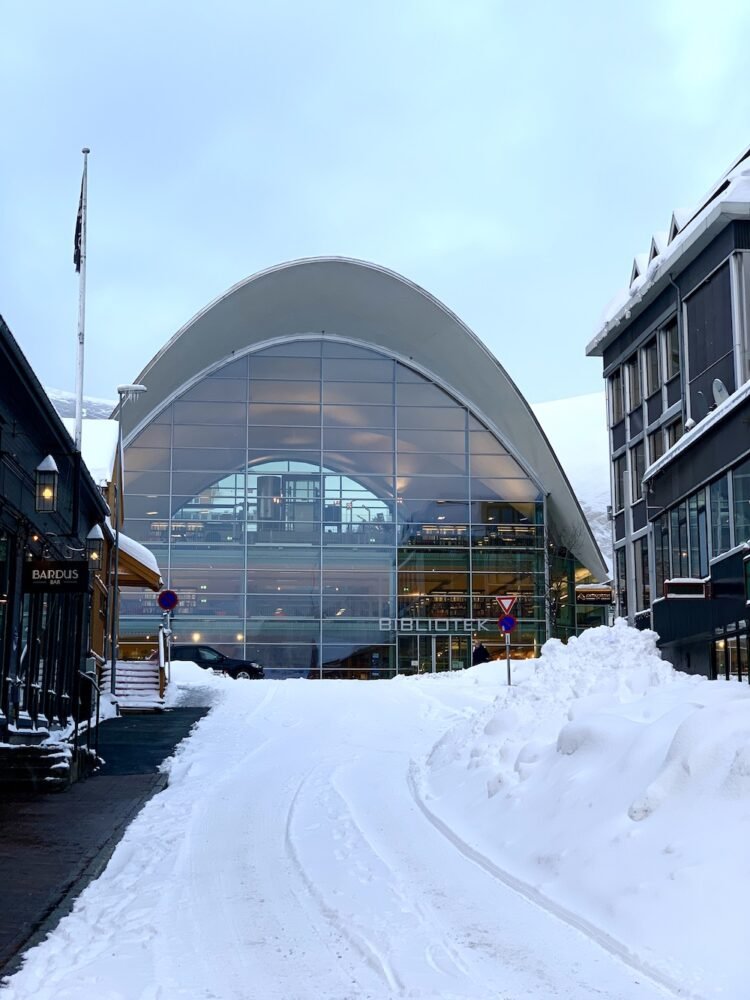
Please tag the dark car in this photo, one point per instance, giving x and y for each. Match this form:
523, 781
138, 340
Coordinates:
210, 658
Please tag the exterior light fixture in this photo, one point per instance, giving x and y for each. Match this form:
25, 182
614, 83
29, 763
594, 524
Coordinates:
95, 546
47, 475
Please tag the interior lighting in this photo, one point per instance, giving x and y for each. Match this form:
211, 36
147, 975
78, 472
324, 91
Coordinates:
240, 637
196, 637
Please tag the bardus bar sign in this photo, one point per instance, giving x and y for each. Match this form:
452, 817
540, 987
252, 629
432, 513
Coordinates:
461, 626
59, 575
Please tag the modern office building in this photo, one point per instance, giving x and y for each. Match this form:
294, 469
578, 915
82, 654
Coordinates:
338, 479
675, 347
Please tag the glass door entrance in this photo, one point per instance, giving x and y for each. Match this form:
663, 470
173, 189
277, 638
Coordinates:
429, 654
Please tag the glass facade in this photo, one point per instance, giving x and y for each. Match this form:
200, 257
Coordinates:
327, 511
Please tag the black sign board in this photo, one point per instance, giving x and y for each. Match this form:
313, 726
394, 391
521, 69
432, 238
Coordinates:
594, 595
61, 576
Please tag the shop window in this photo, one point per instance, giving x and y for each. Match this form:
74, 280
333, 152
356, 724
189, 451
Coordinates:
661, 551
720, 659
741, 494
733, 660
642, 582
720, 520
698, 532
622, 583
679, 539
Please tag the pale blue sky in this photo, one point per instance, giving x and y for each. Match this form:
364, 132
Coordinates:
511, 159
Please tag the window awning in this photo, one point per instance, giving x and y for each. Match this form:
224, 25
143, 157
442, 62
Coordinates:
136, 566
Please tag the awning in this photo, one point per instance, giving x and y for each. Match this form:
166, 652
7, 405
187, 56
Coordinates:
136, 565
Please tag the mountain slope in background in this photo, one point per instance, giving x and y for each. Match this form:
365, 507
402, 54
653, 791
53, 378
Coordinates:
576, 429
93, 407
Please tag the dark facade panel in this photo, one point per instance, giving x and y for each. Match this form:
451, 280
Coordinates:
654, 407
665, 303
639, 516
719, 447
710, 340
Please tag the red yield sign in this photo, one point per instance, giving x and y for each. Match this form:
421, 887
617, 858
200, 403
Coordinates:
506, 603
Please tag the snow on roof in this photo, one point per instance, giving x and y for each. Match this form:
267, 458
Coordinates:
680, 218
138, 552
730, 195
640, 263
690, 436
98, 446
659, 243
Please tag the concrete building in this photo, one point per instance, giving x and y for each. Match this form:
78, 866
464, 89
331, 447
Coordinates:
675, 347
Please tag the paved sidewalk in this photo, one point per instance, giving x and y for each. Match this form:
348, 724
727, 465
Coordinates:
52, 846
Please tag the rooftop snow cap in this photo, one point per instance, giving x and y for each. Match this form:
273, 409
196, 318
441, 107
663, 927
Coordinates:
689, 231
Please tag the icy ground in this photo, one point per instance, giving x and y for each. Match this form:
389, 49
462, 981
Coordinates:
581, 834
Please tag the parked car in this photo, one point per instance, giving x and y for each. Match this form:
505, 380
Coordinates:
212, 659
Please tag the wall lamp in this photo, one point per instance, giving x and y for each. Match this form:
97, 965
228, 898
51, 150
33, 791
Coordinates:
47, 475
95, 546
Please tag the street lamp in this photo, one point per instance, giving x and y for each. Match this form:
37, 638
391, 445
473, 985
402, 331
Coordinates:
47, 475
125, 393
95, 547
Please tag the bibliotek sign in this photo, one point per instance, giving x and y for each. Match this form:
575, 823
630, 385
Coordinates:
453, 625
61, 576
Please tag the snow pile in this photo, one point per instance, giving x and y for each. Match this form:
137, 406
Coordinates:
618, 791
581, 833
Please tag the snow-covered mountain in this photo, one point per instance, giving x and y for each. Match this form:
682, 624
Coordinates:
94, 408
576, 429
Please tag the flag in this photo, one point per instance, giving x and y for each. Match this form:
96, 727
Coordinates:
79, 231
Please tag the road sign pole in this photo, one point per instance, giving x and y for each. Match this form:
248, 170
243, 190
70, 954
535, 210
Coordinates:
507, 654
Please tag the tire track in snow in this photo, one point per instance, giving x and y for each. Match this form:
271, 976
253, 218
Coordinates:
600, 937
376, 892
360, 943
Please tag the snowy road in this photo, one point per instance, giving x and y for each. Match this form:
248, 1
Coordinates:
291, 858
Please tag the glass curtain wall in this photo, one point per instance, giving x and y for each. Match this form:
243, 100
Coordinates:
313, 502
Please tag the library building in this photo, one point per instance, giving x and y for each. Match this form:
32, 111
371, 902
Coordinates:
338, 479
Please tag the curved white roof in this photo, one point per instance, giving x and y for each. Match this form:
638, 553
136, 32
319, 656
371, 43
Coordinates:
370, 305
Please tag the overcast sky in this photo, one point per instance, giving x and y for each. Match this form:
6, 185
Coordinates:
510, 158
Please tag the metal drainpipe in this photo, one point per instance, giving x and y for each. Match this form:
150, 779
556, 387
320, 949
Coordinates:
680, 332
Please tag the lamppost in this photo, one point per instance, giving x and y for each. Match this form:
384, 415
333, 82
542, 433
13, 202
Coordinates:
125, 392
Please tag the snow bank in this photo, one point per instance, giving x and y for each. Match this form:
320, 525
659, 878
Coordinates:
619, 789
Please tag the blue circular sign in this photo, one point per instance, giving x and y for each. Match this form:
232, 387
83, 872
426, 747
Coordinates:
507, 623
167, 600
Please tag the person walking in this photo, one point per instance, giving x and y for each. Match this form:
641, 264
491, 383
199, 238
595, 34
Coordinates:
479, 654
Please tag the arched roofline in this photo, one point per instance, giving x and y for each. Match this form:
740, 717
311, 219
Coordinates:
366, 304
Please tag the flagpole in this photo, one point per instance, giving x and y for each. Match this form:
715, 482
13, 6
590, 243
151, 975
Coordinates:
80, 261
